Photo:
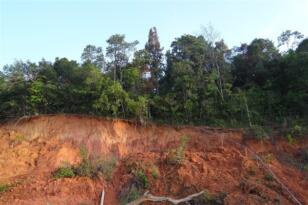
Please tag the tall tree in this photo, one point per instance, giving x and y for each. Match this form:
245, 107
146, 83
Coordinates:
303, 46
187, 48
44, 90
289, 39
15, 96
215, 55
94, 55
251, 64
155, 58
118, 52
184, 75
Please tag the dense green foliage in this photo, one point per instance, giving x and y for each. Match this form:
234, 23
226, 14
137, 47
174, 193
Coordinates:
199, 80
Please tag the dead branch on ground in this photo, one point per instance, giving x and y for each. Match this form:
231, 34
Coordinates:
149, 197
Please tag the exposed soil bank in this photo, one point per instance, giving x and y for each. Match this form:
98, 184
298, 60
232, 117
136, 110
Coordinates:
31, 149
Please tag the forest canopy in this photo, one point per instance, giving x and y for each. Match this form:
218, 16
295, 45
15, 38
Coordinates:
199, 80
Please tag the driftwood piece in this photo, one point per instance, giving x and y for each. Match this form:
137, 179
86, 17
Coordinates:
149, 197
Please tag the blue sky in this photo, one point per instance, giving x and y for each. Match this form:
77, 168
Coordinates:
33, 29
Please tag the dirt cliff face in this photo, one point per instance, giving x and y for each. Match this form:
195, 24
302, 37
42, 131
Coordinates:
214, 159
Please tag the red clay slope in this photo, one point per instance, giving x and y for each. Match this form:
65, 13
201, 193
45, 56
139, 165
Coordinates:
31, 149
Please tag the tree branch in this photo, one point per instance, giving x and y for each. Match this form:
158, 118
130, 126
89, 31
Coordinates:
102, 197
149, 197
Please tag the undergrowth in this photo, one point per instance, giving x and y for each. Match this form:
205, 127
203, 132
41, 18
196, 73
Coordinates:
256, 132
142, 172
138, 184
132, 194
88, 167
64, 172
177, 155
142, 179
4, 188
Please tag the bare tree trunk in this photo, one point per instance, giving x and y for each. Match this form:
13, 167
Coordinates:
247, 110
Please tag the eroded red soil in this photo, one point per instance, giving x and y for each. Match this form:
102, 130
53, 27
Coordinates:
31, 149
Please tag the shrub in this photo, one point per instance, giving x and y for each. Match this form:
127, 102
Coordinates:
84, 169
137, 184
132, 194
4, 188
176, 156
105, 167
88, 167
64, 172
141, 179
84, 154
94, 167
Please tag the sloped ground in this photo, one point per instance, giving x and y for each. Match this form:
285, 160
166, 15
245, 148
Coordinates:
31, 149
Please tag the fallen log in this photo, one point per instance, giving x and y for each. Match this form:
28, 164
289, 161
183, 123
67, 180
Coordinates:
149, 197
